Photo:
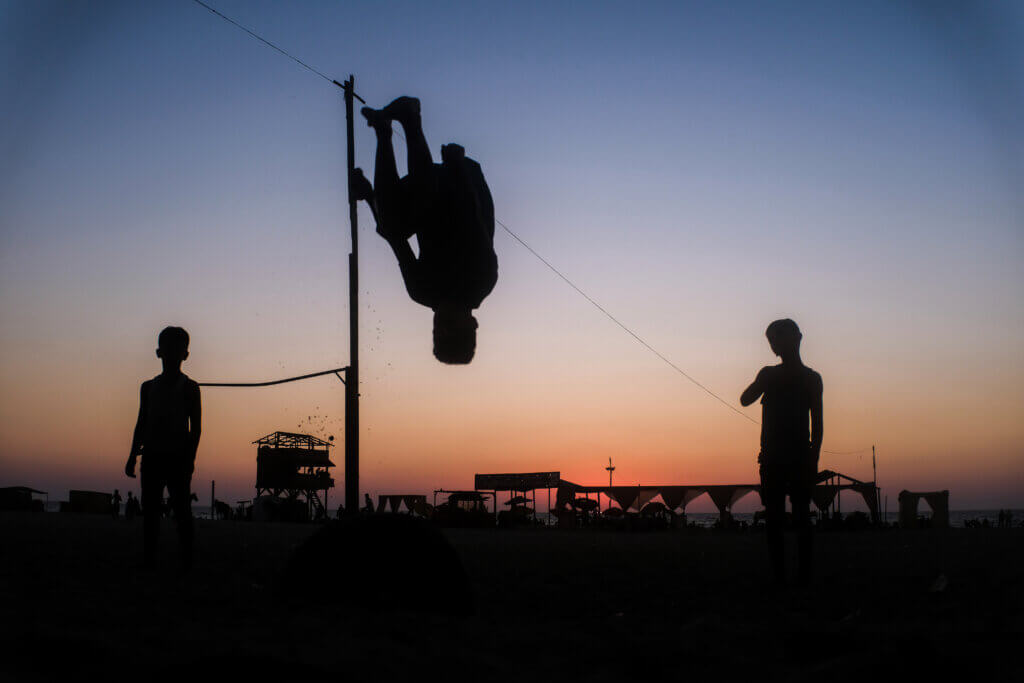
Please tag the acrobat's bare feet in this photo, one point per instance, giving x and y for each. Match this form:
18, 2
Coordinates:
376, 119
402, 109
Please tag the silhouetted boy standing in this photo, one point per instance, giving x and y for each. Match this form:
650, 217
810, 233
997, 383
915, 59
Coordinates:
167, 437
448, 207
789, 392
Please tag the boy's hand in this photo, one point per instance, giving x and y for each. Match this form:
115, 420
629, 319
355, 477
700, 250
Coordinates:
129, 467
361, 187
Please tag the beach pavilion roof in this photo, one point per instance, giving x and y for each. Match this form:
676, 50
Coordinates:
292, 440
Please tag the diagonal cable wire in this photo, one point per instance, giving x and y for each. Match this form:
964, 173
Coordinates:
266, 42
618, 322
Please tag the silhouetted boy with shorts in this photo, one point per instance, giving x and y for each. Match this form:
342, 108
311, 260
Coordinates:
448, 207
789, 392
167, 437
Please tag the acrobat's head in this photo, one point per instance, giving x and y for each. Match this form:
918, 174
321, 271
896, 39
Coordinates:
784, 337
454, 334
172, 346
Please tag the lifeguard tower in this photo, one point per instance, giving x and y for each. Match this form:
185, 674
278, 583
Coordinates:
290, 465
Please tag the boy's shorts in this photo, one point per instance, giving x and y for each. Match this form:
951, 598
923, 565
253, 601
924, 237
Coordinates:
794, 477
173, 472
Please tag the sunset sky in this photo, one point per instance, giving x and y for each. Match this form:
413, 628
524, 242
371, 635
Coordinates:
698, 169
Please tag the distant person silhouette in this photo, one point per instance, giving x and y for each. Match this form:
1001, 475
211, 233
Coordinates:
131, 507
448, 207
167, 437
789, 392
115, 504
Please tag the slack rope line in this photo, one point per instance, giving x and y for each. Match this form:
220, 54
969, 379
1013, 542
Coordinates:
333, 371
514, 236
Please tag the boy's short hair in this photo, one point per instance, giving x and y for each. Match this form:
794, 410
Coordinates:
782, 329
455, 338
173, 337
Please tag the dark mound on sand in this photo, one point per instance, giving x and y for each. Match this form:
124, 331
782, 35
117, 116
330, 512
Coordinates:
380, 562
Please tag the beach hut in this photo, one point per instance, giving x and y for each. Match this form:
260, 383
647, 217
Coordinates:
519, 485
88, 502
20, 498
464, 509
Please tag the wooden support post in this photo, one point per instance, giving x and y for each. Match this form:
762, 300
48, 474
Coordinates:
352, 374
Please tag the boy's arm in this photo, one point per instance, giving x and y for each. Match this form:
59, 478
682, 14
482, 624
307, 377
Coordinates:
410, 268
754, 391
195, 423
362, 189
137, 444
817, 430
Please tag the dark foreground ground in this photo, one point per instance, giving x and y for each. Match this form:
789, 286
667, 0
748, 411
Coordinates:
564, 605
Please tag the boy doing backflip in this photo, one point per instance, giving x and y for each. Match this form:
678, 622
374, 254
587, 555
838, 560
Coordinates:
167, 437
448, 207
789, 392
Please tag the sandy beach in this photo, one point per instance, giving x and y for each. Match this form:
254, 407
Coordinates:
592, 605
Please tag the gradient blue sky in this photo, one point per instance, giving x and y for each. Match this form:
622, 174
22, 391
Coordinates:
699, 168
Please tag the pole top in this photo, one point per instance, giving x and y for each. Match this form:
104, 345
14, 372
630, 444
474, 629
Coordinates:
349, 87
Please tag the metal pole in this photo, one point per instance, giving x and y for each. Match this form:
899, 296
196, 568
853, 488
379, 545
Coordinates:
213, 499
874, 467
352, 374
874, 478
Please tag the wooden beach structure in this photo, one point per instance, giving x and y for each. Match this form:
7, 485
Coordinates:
464, 508
294, 467
522, 488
